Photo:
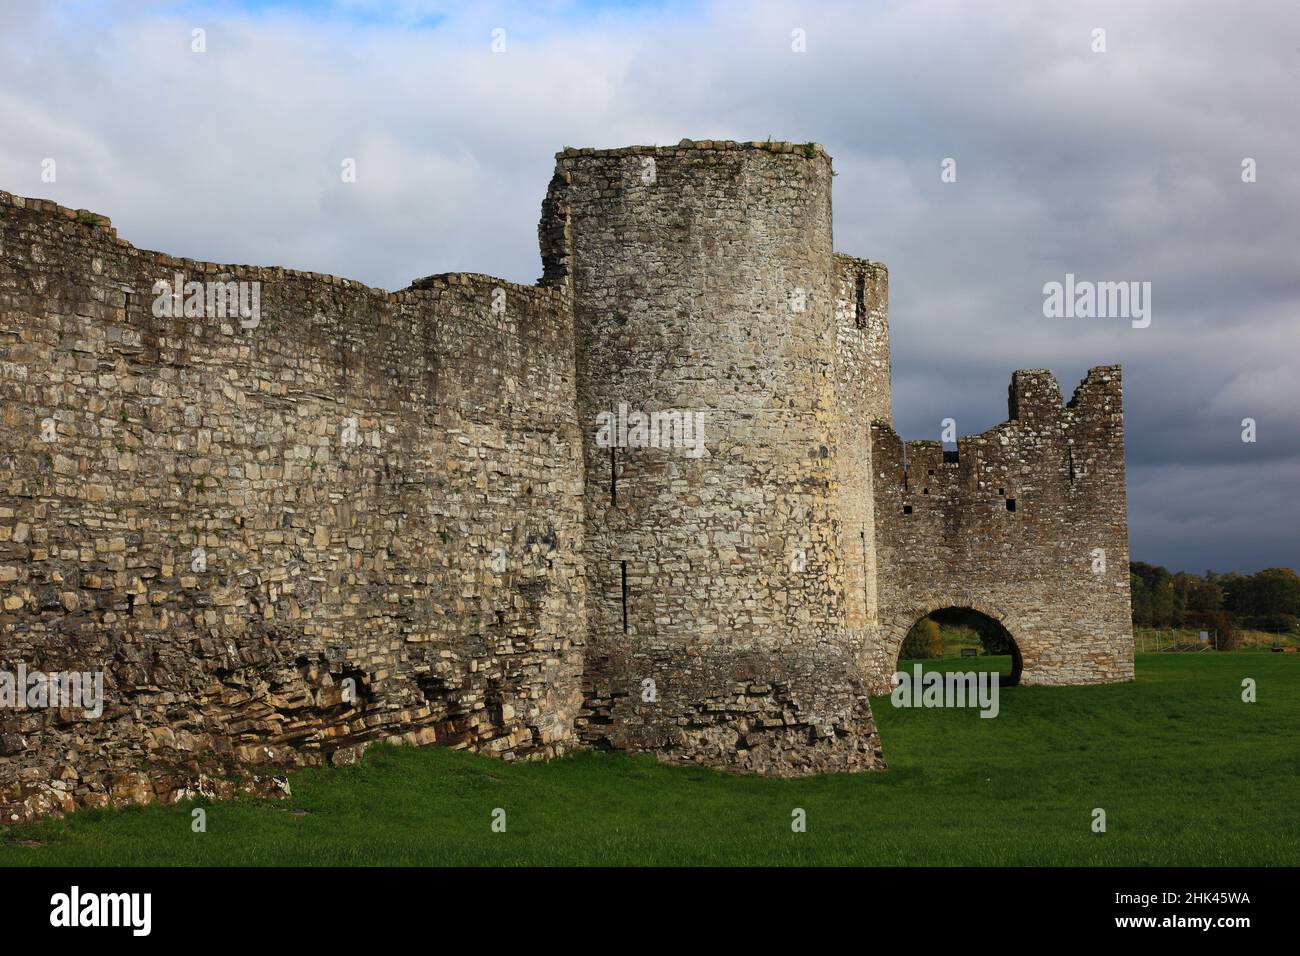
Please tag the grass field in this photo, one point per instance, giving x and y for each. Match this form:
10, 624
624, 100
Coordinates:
1187, 773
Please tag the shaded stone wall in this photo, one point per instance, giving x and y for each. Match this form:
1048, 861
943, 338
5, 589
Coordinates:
862, 380
1036, 568
862, 319
205, 529
720, 629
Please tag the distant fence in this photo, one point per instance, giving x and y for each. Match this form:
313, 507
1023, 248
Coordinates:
1175, 642
1150, 640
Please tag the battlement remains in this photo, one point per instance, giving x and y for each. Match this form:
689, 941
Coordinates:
1025, 522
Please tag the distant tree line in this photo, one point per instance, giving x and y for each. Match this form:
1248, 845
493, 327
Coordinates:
1267, 600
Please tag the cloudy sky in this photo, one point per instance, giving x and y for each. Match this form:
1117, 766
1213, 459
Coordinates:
1122, 165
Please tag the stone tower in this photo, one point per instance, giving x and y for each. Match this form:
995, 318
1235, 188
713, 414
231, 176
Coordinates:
726, 616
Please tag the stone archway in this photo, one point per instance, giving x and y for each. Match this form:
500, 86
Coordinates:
893, 633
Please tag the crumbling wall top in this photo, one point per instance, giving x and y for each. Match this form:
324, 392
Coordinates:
807, 150
103, 225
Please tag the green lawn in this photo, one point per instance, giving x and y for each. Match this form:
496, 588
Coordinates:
1186, 772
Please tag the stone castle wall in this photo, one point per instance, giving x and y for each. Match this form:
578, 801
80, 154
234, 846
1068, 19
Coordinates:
408, 494
1053, 571
205, 530
720, 630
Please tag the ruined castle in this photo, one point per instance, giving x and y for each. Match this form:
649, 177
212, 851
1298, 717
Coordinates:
364, 515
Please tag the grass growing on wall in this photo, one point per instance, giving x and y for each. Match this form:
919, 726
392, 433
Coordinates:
1187, 773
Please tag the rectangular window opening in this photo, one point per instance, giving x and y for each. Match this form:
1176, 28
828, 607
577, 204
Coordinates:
1011, 504
907, 509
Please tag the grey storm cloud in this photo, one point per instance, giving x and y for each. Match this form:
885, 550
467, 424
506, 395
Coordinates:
1115, 166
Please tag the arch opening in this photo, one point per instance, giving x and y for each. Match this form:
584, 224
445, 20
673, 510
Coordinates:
951, 637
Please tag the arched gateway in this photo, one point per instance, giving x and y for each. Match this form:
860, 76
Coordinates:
995, 639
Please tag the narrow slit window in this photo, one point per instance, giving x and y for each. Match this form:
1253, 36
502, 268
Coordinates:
623, 572
613, 479
860, 302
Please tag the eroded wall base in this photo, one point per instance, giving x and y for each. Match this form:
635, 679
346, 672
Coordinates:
738, 713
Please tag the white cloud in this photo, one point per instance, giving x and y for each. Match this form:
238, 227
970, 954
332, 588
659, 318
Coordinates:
1123, 165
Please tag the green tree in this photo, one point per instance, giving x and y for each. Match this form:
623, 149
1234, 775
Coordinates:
1206, 597
1273, 591
1141, 600
924, 641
